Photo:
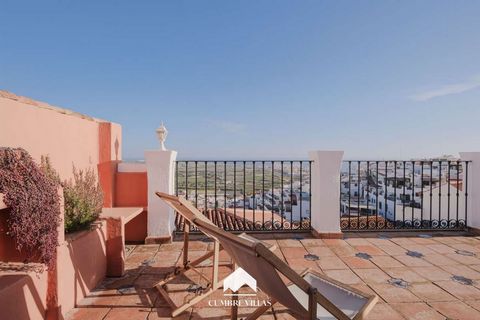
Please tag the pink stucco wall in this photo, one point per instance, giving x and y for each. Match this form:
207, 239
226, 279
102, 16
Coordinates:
67, 137
23, 295
82, 264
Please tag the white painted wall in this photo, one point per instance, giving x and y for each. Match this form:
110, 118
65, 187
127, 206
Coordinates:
326, 190
161, 177
473, 187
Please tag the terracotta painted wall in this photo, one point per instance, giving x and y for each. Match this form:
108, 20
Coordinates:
82, 264
131, 191
23, 295
67, 137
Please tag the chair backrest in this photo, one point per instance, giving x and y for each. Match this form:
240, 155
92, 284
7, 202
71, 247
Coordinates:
252, 256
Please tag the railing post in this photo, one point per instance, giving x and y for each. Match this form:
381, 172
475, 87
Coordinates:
161, 177
325, 188
471, 185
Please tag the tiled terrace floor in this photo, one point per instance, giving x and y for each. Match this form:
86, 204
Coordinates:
431, 292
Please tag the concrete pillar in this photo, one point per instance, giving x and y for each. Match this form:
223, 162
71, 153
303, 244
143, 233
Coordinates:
325, 184
472, 187
161, 177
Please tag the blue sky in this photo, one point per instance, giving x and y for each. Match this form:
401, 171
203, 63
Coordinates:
256, 79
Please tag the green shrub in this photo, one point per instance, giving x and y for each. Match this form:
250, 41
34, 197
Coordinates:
83, 200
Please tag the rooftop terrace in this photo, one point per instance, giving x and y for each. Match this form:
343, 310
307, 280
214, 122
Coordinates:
416, 276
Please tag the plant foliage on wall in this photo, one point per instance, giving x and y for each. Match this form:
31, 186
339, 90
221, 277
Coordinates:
34, 205
83, 200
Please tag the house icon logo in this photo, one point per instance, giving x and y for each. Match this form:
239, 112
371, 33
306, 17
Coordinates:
238, 279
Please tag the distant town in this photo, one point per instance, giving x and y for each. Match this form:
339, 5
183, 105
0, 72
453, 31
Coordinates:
395, 190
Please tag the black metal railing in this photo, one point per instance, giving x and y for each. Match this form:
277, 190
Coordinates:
249, 195
423, 194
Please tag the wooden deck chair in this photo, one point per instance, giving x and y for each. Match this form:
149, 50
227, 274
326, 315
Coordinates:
310, 295
191, 216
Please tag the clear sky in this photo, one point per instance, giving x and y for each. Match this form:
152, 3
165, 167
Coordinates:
256, 79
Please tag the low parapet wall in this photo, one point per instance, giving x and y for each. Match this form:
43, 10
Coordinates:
24, 288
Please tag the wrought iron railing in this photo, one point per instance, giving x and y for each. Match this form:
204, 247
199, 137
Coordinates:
421, 194
249, 195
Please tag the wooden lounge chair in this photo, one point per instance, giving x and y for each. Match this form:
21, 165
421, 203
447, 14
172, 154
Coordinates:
309, 295
191, 216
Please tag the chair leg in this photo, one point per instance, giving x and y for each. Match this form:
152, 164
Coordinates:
234, 306
259, 311
312, 304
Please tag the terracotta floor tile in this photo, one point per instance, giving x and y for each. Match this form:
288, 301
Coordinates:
358, 242
344, 276
87, 313
448, 240
192, 255
294, 252
430, 292
466, 247
165, 313
404, 273
425, 241
364, 288
335, 242
474, 304
344, 251
141, 298
321, 251
441, 248
461, 291
312, 242
370, 249
462, 270
139, 257
432, 273
128, 314
403, 241
464, 259
380, 241
150, 248
372, 275
417, 311
393, 249
173, 246
357, 263
419, 248
386, 262
166, 259
337, 256
289, 243
329, 263
147, 280
216, 313
439, 260
412, 261
469, 240
105, 301
456, 310
118, 282
392, 294
302, 264
475, 267
382, 311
